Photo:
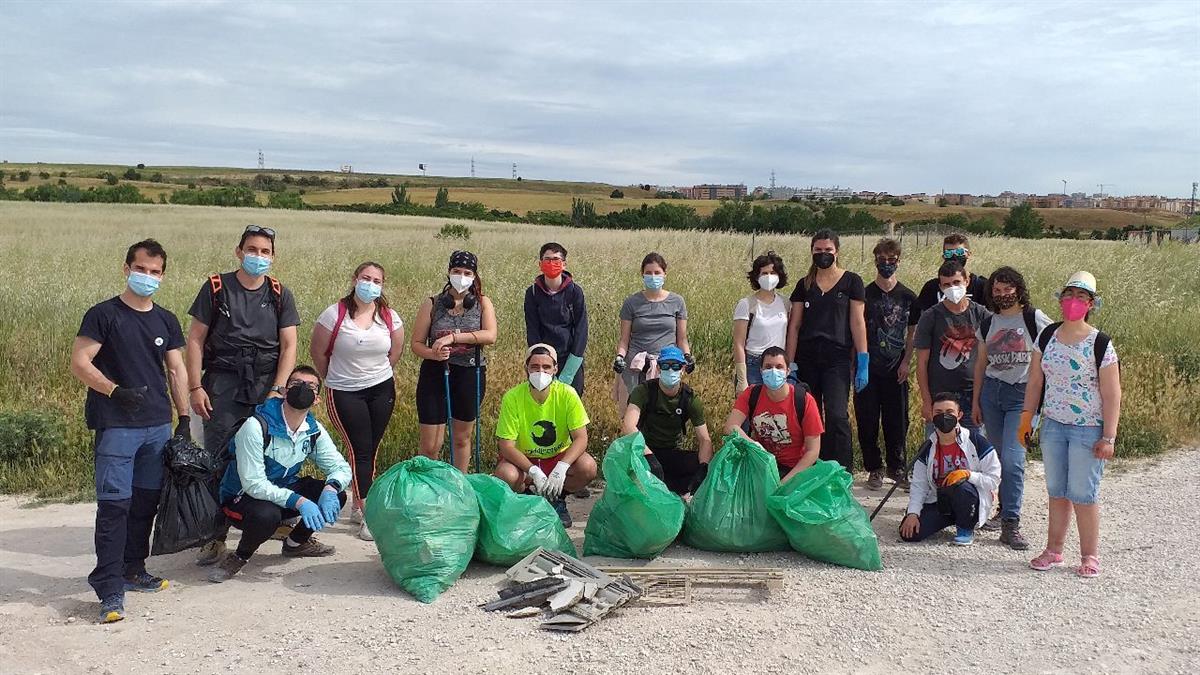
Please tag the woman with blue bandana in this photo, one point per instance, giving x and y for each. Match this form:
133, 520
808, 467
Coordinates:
650, 320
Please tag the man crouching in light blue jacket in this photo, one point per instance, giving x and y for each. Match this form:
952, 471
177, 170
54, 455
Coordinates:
262, 487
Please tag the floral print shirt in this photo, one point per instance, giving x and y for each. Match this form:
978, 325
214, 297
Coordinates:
1072, 382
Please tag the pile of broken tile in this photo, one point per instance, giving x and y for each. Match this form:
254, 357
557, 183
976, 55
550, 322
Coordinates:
565, 593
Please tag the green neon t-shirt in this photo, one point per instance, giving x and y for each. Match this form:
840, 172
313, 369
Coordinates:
540, 430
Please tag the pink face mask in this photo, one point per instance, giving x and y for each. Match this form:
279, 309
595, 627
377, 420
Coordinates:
1074, 309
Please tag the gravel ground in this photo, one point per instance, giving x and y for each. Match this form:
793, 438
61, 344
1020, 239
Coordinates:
935, 608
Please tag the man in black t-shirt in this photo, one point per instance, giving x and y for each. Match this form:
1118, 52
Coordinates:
119, 354
891, 315
954, 249
243, 334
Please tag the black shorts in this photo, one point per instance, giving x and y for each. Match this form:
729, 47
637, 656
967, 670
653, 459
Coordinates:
431, 392
678, 467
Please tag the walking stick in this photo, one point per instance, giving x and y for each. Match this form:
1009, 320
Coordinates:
910, 465
478, 365
449, 412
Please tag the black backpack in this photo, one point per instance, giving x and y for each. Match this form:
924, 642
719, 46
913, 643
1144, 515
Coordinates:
685, 401
800, 390
1101, 347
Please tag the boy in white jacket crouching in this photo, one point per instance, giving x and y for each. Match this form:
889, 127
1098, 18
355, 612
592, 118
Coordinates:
954, 476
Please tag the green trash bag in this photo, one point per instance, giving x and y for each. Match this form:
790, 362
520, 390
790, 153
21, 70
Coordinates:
511, 525
637, 516
729, 511
823, 520
425, 519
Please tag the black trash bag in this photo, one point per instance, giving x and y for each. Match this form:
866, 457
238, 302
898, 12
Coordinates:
188, 512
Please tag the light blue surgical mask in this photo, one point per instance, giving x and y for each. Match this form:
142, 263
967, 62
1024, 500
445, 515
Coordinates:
653, 282
670, 378
367, 291
255, 265
774, 378
142, 284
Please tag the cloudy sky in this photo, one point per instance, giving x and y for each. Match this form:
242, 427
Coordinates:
959, 96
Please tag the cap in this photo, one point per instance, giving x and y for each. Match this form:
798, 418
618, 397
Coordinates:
671, 353
542, 345
464, 259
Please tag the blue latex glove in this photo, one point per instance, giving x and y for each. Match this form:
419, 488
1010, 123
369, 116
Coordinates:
330, 506
860, 371
310, 514
570, 368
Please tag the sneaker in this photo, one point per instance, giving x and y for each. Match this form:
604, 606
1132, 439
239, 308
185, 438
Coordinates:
210, 552
144, 582
112, 608
900, 478
992, 524
875, 480
309, 549
364, 532
1046, 560
1010, 534
560, 507
356, 516
965, 536
230, 565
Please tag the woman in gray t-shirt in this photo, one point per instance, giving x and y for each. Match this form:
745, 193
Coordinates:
1006, 343
650, 320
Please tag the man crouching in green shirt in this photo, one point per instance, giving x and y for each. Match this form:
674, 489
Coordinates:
542, 434
661, 410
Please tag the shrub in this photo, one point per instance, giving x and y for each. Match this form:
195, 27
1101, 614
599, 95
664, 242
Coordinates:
454, 231
30, 435
132, 174
44, 175
1023, 222
111, 179
442, 200
942, 202
895, 202
62, 174
141, 166
989, 205
285, 200
616, 194
400, 196
23, 175
62, 181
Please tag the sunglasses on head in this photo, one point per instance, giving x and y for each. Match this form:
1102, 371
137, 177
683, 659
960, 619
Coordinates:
670, 365
948, 254
256, 229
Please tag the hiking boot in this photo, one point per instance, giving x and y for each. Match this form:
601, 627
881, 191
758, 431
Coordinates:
364, 532
230, 565
900, 478
144, 582
309, 549
992, 524
964, 536
112, 608
1010, 534
875, 480
560, 507
210, 552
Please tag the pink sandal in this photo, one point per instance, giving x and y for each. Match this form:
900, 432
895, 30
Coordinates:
1046, 560
1089, 567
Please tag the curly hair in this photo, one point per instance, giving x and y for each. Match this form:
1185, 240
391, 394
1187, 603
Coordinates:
768, 258
1006, 275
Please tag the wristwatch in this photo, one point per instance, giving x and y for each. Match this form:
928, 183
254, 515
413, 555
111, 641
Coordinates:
278, 389
1110, 441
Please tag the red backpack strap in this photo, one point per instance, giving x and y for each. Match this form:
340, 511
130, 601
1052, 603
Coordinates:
337, 327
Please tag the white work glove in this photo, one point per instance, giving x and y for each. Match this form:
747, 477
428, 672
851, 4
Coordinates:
554, 484
538, 477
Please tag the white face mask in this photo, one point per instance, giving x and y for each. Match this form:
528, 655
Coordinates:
540, 380
768, 282
461, 282
955, 294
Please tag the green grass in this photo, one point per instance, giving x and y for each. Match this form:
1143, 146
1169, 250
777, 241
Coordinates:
59, 259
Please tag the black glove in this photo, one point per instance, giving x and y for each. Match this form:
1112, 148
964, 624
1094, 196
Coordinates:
619, 364
689, 364
698, 478
129, 399
184, 428
655, 467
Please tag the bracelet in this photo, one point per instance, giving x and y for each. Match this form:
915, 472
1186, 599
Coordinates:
199, 386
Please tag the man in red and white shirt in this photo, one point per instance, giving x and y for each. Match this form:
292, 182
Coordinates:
788, 428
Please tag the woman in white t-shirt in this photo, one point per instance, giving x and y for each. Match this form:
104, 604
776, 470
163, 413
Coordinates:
355, 343
759, 320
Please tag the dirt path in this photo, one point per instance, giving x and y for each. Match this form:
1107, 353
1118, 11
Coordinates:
935, 608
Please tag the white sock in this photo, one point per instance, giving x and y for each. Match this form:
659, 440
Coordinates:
290, 543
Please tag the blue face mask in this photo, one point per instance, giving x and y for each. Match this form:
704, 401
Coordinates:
367, 291
774, 378
142, 284
670, 378
255, 265
653, 282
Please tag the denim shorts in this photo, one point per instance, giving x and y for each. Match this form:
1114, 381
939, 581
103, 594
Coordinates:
1072, 471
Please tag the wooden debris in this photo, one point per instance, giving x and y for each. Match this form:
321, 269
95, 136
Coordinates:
678, 585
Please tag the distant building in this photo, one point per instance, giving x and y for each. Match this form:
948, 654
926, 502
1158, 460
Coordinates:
834, 192
711, 191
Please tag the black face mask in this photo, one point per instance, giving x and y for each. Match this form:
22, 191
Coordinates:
945, 422
886, 270
300, 396
1003, 302
824, 259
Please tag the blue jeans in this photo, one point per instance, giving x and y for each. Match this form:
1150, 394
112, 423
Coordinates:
1001, 404
753, 369
129, 477
1072, 471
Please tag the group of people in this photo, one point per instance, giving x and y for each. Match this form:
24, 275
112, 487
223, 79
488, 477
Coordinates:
984, 358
